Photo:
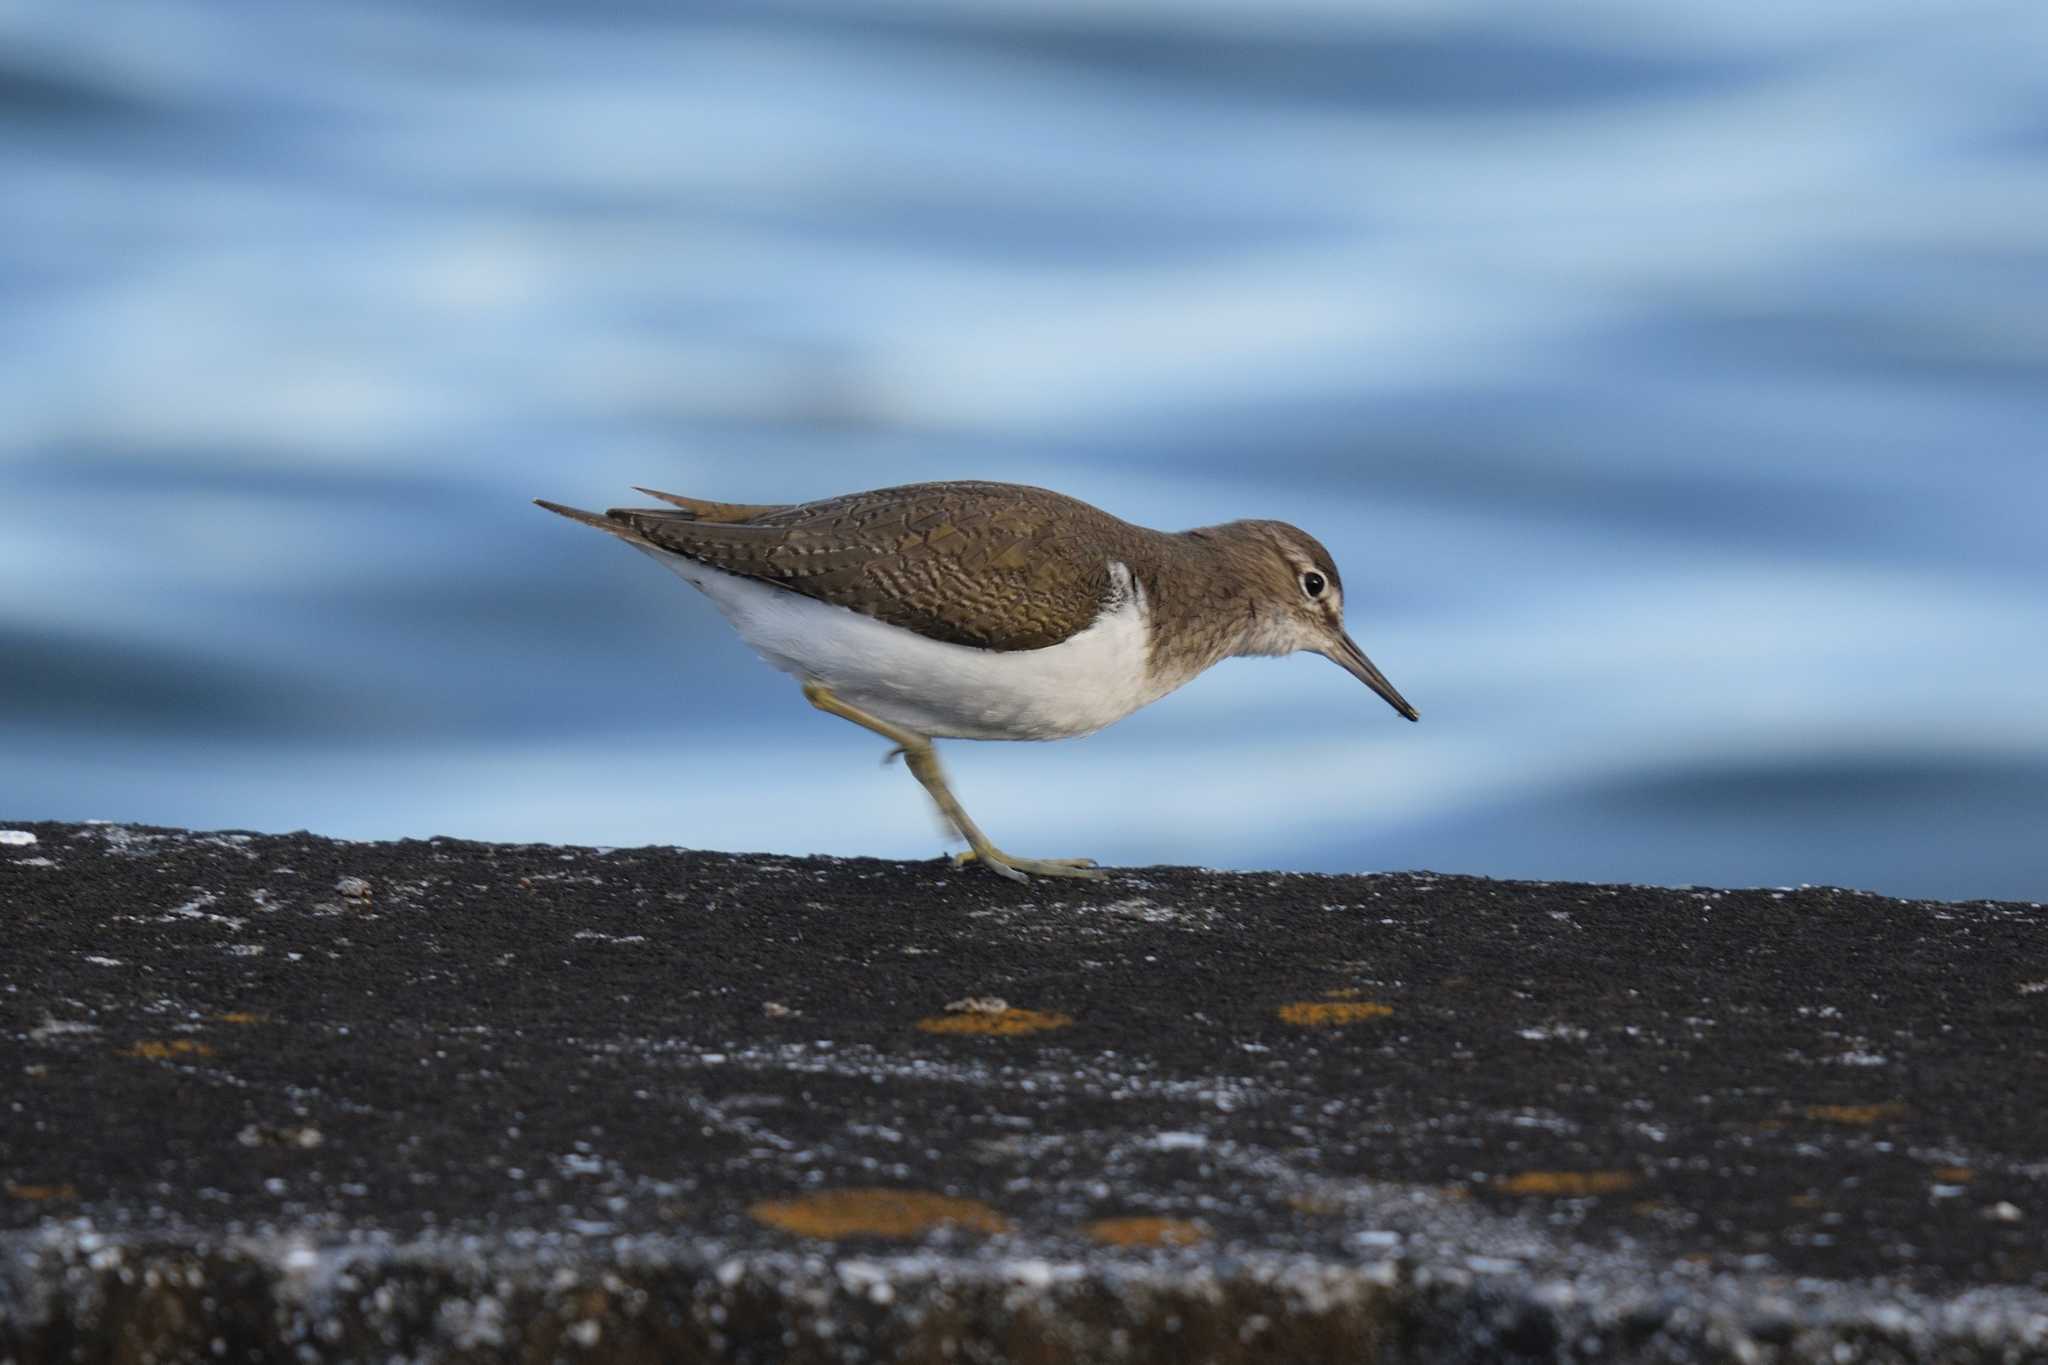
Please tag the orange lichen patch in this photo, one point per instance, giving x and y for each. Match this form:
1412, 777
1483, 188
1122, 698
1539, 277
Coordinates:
1147, 1232
1332, 1013
1954, 1175
1854, 1113
1569, 1184
897, 1214
178, 1047
40, 1194
1004, 1022
242, 1017
1343, 993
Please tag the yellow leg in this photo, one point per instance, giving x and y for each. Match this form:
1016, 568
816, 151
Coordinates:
923, 761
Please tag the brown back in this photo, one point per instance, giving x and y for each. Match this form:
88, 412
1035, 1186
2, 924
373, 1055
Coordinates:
995, 565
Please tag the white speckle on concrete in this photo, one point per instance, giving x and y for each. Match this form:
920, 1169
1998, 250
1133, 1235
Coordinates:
868, 1279
196, 908
35, 862
1034, 1273
1148, 911
1567, 1033
355, 888
17, 837
471, 1323
99, 961
59, 1028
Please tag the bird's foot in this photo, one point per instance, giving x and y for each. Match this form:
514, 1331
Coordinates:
1023, 869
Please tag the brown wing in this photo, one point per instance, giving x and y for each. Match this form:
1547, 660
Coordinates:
716, 511
987, 564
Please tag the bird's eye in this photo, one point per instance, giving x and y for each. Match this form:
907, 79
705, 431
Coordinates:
1312, 583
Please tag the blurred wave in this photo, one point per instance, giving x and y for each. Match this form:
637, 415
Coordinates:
1671, 386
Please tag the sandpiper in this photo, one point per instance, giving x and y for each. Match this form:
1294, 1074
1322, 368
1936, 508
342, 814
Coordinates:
972, 610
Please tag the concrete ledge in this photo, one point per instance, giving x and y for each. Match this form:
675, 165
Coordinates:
291, 1098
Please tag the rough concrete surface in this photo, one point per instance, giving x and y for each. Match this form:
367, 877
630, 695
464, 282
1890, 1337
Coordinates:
290, 1098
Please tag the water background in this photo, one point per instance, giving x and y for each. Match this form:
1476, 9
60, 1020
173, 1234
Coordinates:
1670, 382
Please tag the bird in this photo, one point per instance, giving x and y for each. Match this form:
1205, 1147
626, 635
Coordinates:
970, 609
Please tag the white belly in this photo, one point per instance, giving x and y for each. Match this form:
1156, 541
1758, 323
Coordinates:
937, 689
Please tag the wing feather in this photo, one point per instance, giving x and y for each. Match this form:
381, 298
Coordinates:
991, 565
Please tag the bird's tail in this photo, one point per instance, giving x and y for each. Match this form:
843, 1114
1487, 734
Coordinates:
701, 510
620, 521
621, 529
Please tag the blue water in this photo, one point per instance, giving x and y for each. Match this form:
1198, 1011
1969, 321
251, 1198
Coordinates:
1671, 385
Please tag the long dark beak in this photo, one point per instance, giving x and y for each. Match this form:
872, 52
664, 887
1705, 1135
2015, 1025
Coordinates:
1347, 653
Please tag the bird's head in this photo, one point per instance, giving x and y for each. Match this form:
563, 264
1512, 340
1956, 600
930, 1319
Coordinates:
1297, 601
